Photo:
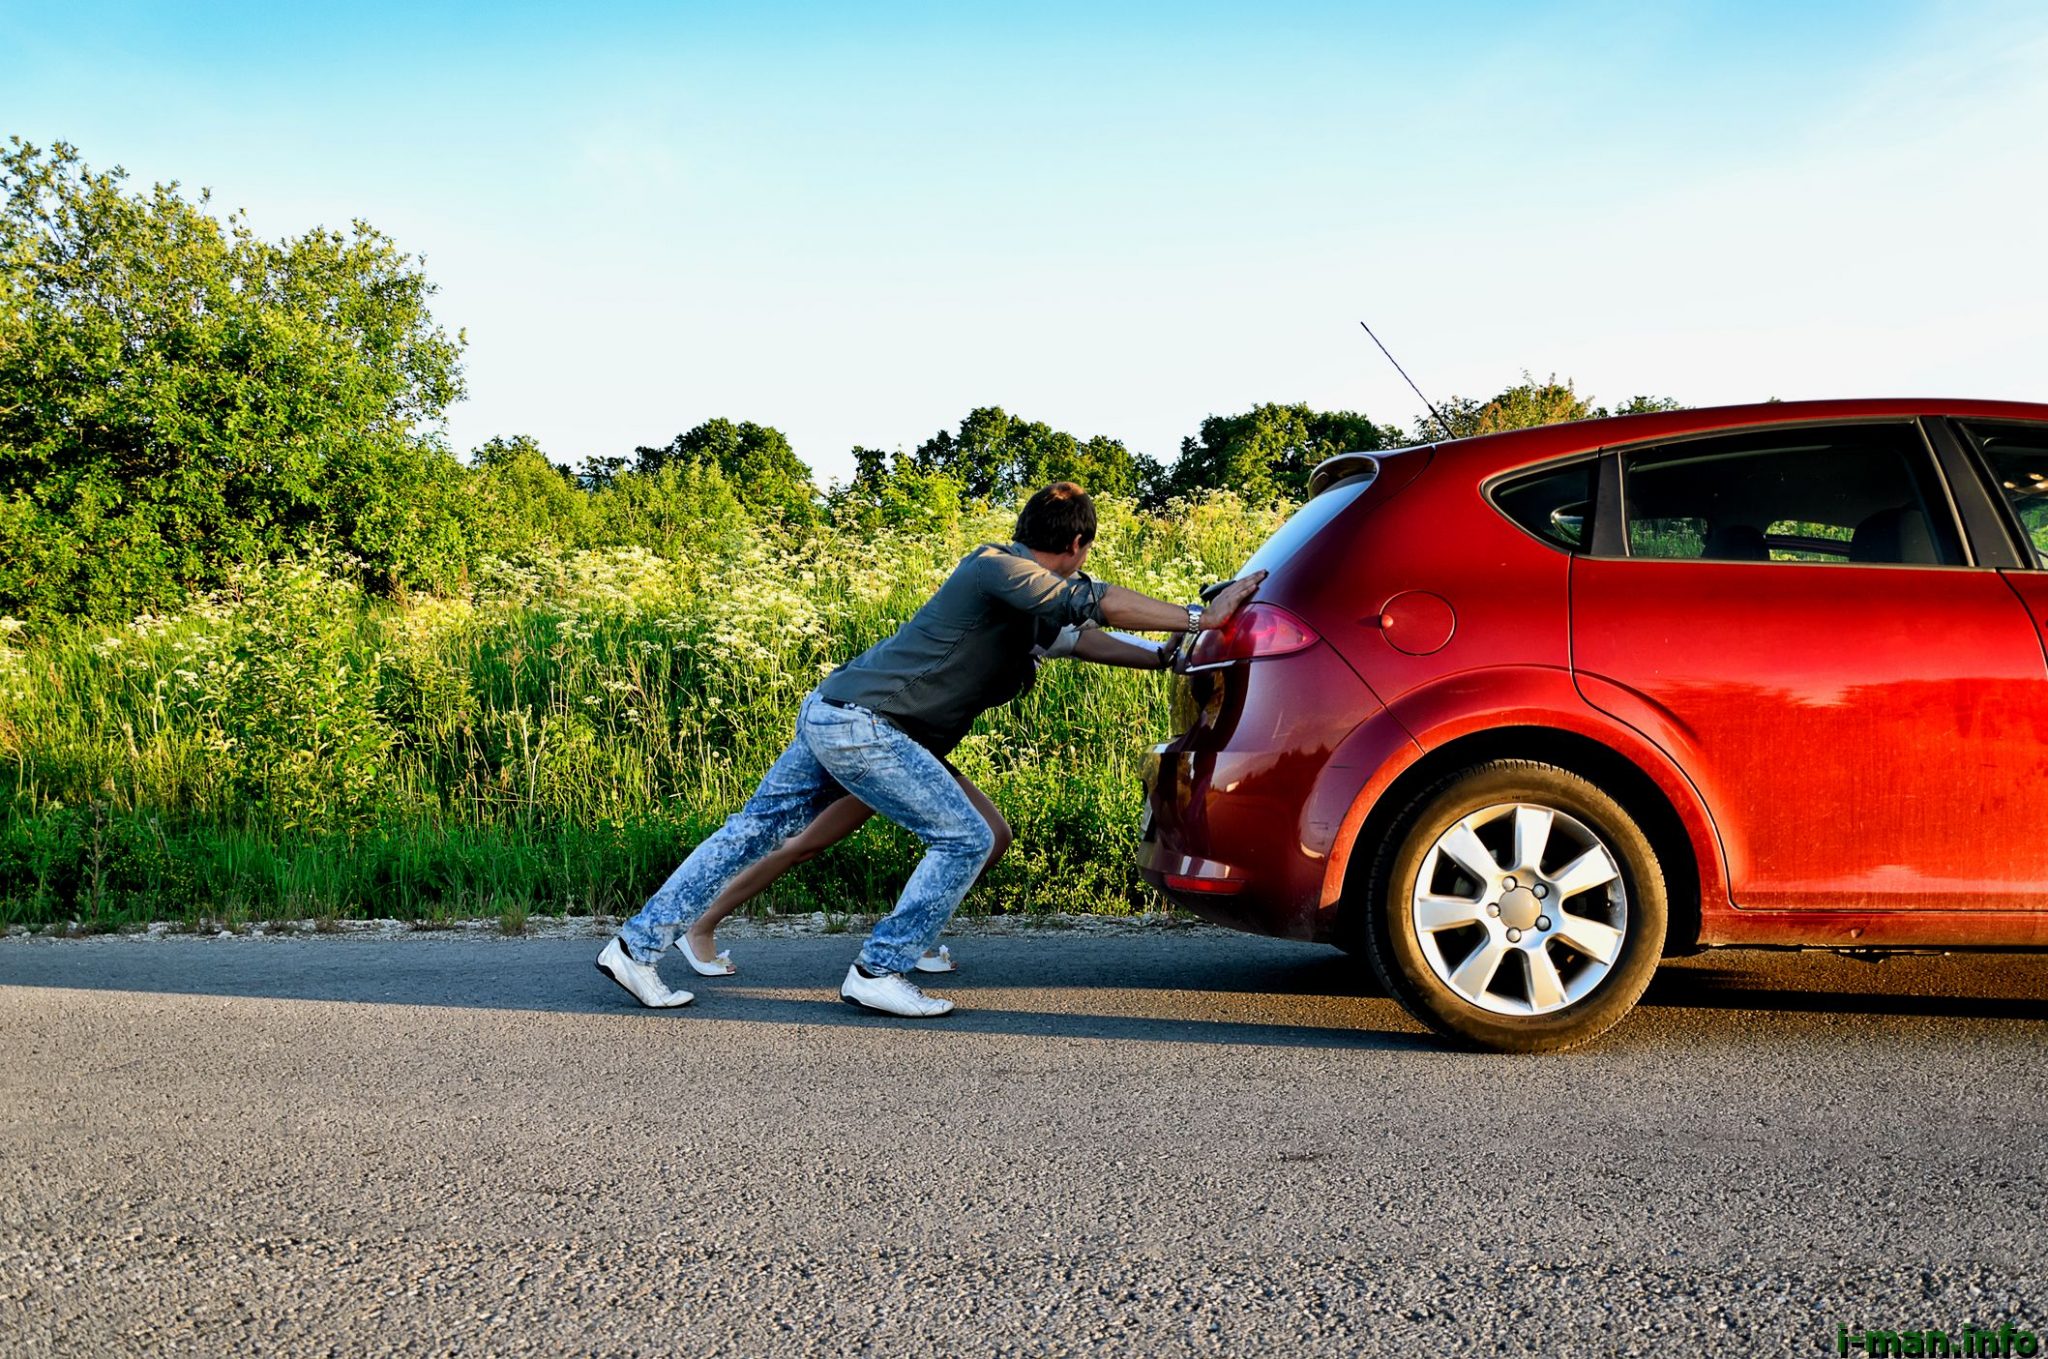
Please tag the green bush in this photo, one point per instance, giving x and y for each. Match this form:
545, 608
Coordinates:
178, 396
293, 698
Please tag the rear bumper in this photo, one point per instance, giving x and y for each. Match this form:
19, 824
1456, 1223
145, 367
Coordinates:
1227, 831
1197, 813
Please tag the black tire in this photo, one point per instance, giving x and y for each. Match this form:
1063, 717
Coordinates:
1395, 947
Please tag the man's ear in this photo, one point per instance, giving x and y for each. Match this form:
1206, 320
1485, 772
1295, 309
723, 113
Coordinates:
1074, 548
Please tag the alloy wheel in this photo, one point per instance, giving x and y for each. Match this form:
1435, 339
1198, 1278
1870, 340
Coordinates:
1520, 909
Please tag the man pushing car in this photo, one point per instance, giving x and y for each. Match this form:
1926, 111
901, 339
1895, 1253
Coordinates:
880, 725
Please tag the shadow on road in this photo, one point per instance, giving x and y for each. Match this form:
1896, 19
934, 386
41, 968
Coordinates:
1122, 988
1226, 990
1960, 986
981, 1017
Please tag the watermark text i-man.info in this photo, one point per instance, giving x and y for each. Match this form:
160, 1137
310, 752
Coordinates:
1978, 1342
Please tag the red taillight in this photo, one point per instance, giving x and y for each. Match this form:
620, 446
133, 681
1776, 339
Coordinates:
1222, 887
1253, 633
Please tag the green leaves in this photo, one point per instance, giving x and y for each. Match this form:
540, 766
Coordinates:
295, 697
999, 456
995, 457
755, 460
177, 396
1526, 405
1266, 454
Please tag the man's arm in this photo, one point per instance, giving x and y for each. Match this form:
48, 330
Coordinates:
1124, 608
1107, 649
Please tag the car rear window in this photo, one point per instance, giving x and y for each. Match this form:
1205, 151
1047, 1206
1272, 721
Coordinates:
1820, 494
2018, 458
1305, 522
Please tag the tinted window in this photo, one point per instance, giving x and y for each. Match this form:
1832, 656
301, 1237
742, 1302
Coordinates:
2018, 456
1854, 493
1303, 523
1556, 506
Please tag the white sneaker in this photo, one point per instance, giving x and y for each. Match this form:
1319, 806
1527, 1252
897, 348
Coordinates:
893, 994
939, 959
639, 978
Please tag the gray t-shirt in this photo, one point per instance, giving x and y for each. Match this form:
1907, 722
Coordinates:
969, 648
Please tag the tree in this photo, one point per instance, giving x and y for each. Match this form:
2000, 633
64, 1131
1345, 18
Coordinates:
870, 465
682, 508
597, 472
1527, 405
521, 501
891, 490
177, 396
998, 456
1644, 405
1267, 453
756, 460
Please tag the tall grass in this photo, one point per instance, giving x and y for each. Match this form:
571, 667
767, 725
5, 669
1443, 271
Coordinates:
552, 740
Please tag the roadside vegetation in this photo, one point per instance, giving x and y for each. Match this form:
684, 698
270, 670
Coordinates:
270, 649
550, 739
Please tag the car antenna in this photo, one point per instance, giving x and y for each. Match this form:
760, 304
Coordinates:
1441, 423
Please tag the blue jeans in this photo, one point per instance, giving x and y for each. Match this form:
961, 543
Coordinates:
877, 764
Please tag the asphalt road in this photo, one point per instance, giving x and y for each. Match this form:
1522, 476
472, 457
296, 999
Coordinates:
1146, 1145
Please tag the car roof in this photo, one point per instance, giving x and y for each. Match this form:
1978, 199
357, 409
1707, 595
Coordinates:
1512, 448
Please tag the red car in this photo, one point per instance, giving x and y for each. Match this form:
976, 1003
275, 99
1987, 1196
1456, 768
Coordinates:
1518, 716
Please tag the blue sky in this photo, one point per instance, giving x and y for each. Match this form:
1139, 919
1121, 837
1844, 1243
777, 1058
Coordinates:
857, 222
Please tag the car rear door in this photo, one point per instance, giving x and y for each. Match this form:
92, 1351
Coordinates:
2013, 457
1794, 616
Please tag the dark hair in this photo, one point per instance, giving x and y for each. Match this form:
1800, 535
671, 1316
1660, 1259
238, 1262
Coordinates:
1055, 516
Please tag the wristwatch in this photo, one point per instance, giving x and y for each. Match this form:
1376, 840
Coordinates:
1195, 612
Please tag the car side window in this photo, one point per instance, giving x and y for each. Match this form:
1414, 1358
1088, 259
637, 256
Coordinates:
2018, 458
1555, 505
1844, 494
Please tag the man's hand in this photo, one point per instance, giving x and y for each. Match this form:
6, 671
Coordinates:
1122, 608
1231, 599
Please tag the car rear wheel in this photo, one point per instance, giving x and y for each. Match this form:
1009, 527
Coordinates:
1516, 907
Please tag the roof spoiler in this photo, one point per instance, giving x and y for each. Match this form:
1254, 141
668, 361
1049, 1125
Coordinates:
1342, 467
